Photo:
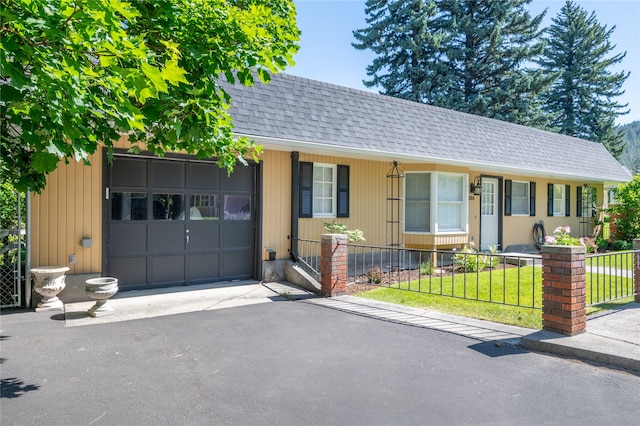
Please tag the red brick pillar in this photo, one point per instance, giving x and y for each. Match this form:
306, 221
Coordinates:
564, 289
333, 264
636, 268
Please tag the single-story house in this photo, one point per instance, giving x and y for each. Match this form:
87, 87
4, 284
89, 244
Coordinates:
404, 173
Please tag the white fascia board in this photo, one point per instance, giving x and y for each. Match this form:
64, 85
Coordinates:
277, 144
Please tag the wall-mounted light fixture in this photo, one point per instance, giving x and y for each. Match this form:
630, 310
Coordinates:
476, 186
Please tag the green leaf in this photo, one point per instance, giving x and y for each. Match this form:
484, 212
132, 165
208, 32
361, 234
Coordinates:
44, 162
155, 76
173, 73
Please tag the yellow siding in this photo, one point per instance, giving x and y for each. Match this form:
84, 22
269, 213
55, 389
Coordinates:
68, 209
276, 202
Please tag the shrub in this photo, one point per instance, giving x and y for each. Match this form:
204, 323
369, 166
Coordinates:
354, 236
469, 260
627, 210
589, 244
619, 245
561, 237
426, 268
374, 275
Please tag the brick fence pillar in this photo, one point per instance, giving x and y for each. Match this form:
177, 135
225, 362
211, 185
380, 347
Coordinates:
564, 289
636, 268
333, 264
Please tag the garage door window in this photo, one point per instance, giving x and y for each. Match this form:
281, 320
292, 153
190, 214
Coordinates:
204, 207
237, 207
168, 207
128, 206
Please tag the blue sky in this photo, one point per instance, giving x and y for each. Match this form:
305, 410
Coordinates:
327, 28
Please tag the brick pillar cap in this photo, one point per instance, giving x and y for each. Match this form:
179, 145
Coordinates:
549, 248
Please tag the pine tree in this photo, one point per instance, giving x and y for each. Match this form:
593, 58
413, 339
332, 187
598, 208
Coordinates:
581, 102
487, 48
398, 33
467, 55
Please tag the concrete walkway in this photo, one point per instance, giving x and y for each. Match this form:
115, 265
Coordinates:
612, 338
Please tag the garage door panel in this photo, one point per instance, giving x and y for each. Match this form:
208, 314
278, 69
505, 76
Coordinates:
204, 176
204, 236
240, 180
237, 235
204, 267
168, 174
165, 269
130, 271
237, 264
167, 237
128, 238
129, 172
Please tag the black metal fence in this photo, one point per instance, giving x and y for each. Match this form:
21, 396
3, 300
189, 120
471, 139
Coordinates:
502, 278
489, 277
609, 276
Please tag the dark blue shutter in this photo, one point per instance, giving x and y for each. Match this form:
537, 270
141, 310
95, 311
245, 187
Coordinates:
343, 191
306, 189
507, 197
567, 202
550, 199
532, 198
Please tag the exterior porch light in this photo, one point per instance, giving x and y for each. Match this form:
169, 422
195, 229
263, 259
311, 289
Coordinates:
476, 186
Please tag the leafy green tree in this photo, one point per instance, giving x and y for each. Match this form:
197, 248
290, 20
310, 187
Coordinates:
76, 74
627, 210
582, 100
469, 55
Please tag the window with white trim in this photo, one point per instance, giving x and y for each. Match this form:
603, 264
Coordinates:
558, 200
520, 198
435, 202
324, 190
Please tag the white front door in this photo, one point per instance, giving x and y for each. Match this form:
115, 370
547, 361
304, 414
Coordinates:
489, 222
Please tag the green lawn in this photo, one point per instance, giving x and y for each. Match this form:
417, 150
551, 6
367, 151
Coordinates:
499, 287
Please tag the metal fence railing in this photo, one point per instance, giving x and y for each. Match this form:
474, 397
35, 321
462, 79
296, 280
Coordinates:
609, 276
307, 252
496, 278
502, 278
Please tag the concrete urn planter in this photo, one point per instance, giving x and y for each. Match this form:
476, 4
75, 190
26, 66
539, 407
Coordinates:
48, 282
100, 290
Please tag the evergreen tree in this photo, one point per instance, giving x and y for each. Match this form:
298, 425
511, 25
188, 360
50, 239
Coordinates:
581, 102
398, 33
487, 47
467, 55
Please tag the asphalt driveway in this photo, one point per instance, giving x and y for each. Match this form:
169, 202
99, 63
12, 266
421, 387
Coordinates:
290, 363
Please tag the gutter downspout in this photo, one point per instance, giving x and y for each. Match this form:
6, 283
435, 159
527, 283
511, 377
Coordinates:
295, 201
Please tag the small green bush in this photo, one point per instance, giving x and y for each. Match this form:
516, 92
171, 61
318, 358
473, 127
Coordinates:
426, 268
620, 245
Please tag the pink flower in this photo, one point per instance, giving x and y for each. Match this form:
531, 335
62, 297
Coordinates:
567, 229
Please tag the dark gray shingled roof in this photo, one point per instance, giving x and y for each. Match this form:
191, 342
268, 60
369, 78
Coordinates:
312, 114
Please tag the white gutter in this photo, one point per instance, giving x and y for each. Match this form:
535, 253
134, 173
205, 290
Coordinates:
288, 145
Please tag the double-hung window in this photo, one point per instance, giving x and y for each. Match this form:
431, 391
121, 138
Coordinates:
558, 200
435, 203
520, 198
324, 190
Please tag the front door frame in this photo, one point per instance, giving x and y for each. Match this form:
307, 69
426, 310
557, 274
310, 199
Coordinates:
500, 207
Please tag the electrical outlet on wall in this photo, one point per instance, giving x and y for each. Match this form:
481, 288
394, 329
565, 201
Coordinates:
72, 258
